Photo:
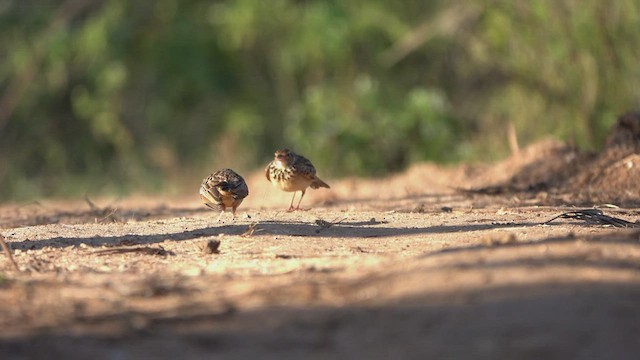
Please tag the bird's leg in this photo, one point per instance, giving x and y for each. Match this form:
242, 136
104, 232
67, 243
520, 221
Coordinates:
299, 201
233, 210
221, 212
291, 205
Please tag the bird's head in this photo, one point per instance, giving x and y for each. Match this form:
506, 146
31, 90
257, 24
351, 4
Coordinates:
283, 157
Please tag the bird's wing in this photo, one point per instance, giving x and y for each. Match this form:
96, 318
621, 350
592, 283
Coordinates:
230, 181
304, 167
240, 190
209, 192
225, 180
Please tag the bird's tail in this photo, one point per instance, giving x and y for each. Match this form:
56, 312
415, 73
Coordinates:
318, 183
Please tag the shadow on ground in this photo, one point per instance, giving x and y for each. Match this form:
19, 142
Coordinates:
296, 229
551, 319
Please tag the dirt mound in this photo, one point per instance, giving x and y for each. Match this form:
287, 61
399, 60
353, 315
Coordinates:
613, 175
567, 175
626, 132
618, 182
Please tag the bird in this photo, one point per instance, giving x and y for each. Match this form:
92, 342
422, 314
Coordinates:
222, 189
292, 172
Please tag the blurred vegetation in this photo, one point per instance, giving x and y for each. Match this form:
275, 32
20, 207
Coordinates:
104, 96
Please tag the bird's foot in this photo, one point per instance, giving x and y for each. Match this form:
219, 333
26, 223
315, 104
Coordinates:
292, 209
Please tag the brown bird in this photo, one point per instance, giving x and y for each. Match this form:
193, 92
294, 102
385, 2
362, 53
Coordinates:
292, 172
222, 189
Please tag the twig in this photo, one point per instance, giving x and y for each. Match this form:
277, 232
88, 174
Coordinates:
251, 230
512, 136
110, 214
7, 251
327, 224
92, 206
594, 216
448, 22
105, 213
147, 250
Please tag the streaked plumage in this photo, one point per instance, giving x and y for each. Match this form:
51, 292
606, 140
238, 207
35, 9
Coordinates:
292, 172
222, 189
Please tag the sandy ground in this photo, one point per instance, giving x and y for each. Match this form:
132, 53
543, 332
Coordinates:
407, 266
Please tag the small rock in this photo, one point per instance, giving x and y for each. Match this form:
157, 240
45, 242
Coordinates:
500, 239
211, 247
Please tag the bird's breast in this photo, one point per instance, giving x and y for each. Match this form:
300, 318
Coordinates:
287, 180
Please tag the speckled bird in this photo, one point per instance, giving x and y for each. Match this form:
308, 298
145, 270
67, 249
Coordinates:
222, 189
292, 172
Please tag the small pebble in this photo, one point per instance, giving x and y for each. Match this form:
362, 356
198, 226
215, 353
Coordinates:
211, 247
500, 239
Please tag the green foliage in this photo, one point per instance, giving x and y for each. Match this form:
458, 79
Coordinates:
118, 95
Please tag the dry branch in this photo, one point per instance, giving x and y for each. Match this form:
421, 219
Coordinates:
251, 230
594, 216
146, 250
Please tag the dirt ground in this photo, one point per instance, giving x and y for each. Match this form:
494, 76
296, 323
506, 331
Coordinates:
436, 262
